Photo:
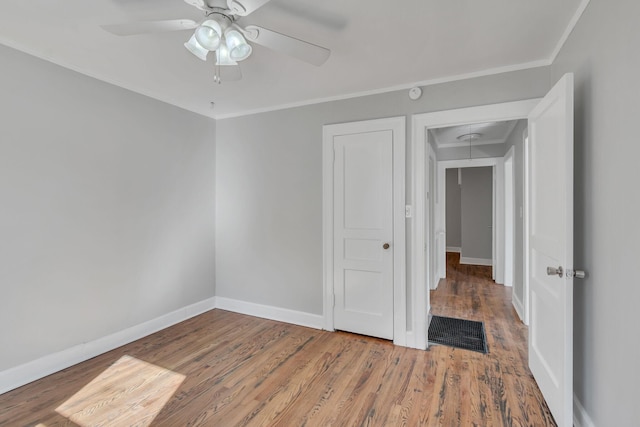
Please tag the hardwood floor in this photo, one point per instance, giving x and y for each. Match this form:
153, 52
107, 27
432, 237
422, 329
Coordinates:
227, 369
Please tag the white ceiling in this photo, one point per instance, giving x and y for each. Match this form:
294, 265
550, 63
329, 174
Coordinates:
485, 134
376, 46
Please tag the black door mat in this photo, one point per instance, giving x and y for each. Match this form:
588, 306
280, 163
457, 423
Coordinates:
459, 333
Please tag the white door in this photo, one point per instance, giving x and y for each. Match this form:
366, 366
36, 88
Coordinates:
363, 233
551, 246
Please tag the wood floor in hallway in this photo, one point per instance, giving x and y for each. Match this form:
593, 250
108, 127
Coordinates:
226, 369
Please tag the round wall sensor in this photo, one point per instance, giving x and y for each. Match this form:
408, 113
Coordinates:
415, 93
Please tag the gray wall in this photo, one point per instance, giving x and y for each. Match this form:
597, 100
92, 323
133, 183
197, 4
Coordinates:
269, 184
453, 208
516, 140
477, 213
602, 51
103, 248
107, 208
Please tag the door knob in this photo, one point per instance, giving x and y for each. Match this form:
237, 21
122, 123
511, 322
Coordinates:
552, 271
385, 246
577, 274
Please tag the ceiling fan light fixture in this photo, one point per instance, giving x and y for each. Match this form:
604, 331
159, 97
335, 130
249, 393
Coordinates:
469, 136
196, 48
238, 47
222, 56
208, 34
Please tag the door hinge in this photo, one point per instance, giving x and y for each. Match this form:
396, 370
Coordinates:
334, 300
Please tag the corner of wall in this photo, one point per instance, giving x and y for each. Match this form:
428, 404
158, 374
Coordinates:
580, 416
279, 314
18, 376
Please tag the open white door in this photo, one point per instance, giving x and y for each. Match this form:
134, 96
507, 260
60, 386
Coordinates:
550, 255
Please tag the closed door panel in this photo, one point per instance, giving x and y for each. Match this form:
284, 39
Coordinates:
363, 233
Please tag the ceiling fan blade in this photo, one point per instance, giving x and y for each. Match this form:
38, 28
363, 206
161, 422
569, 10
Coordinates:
245, 7
200, 4
305, 51
146, 27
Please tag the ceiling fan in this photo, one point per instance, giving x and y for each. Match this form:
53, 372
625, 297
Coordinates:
220, 33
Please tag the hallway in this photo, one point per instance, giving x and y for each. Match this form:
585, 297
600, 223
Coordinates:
498, 386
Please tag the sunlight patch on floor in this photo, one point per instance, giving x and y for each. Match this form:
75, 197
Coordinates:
129, 392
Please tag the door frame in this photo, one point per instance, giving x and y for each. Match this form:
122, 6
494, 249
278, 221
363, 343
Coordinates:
421, 123
398, 126
497, 206
430, 210
524, 305
509, 217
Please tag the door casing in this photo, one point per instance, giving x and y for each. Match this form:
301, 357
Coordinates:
509, 217
398, 126
420, 125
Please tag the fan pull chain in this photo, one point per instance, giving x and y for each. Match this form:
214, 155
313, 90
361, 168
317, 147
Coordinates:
216, 74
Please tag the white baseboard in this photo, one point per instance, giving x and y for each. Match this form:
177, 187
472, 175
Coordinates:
580, 416
475, 261
23, 374
518, 306
285, 315
454, 249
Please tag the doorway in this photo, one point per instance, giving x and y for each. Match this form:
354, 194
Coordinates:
364, 228
421, 145
469, 211
549, 227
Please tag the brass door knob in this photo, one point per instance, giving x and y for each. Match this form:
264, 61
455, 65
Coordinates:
385, 246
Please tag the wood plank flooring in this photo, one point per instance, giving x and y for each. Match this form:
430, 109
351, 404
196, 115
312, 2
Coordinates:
227, 369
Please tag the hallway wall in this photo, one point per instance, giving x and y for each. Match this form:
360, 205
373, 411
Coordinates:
453, 209
476, 215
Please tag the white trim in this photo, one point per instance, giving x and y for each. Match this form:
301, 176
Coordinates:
497, 211
270, 312
327, 231
454, 249
421, 301
463, 144
525, 226
420, 122
568, 30
498, 230
398, 126
580, 416
488, 72
509, 217
475, 261
23, 374
406, 86
515, 110
518, 306
482, 73
430, 209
